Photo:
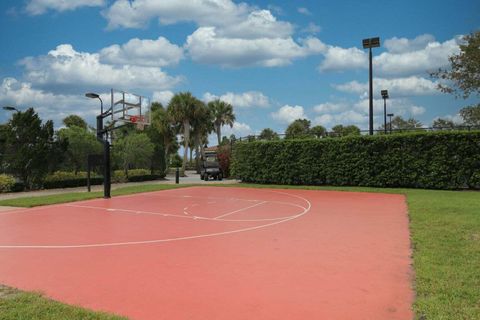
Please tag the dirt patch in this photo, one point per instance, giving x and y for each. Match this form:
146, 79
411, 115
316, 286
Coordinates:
7, 292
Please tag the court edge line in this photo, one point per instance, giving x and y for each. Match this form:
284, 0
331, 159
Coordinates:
117, 244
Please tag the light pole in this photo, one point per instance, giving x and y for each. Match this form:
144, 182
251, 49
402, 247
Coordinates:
369, 44
106, 145
385, 97
390, 115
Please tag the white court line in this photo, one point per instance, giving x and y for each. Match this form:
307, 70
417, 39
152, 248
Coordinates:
239, 210
115, 244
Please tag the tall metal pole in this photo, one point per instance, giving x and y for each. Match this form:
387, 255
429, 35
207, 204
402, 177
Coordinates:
370, 106
385, 114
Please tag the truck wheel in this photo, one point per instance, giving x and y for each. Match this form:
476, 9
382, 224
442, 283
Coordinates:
201, 176
220, 176
206, 177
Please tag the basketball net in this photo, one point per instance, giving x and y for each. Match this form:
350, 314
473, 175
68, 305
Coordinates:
138, 121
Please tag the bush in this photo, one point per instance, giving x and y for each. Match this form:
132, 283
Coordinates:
68, 179
439, 160
6, 183
64, 179
224, 159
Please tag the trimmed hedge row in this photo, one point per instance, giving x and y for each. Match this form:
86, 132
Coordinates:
62, 179
440, 160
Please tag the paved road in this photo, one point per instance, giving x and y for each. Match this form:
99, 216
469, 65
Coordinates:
191, 177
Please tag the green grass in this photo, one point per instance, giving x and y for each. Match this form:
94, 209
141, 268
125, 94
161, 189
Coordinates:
78, 196
445, 231
16, 305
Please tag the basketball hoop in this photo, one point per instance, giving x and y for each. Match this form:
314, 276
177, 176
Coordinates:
139, 121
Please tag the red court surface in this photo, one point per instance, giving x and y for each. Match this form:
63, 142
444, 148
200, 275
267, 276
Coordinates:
217, 253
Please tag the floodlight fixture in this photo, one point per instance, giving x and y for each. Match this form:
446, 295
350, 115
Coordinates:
369, 44
384, 94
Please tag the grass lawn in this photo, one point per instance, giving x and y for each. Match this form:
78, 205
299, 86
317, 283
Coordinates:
16, 305
445, 231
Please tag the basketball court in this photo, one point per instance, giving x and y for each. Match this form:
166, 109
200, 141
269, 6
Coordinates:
217, 253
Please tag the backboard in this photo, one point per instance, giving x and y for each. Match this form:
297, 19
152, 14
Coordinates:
129, 108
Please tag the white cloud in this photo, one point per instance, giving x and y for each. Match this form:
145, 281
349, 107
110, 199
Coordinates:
242, 100
163, 97
337, 59
48, 105
405, 60
330, 107
37, 7
206, 46
149, 53
288, 114
64, 68
312, 28
401, 45
398, 87
137, 13
258, 24
239, 129
400, 107
403, 57
304, 11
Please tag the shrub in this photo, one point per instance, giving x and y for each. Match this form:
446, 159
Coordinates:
440, 160
6, 183
224, 159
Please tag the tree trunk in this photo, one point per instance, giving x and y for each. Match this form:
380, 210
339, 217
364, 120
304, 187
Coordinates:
197, 155
219, 133
186, 139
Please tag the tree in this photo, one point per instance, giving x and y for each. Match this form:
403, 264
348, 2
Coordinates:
342, 131
398, 123
162, 124
202, 125
440, 124
222, 113
31, 148
74, 120
268, 134
318, 131
464, 74
81, 143
134, 151
182, 109
298, 129
471, 115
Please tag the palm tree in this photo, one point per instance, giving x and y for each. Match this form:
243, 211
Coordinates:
163, 124
182, 110
202, 126
222, 115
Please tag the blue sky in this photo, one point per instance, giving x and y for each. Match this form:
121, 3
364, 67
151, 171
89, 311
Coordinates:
274, 61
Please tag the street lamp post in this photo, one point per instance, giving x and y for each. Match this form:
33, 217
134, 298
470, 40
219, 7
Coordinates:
369, 44
103, 137
390, 115
385, 97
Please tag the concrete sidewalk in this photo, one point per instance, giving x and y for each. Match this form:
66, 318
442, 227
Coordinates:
191, 178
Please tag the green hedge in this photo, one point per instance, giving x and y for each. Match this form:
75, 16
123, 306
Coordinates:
440, 160
62, 179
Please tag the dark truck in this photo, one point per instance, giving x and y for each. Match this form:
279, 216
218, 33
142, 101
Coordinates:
210, 168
